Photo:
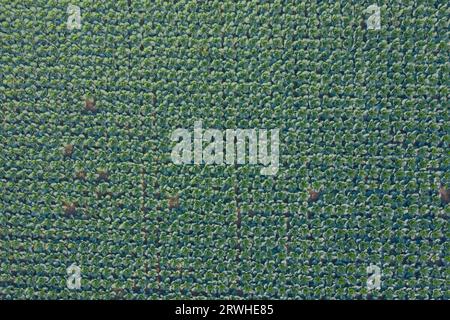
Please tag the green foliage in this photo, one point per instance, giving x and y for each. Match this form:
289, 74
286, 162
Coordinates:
364, 122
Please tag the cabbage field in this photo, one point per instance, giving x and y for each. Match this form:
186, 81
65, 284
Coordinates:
89, 99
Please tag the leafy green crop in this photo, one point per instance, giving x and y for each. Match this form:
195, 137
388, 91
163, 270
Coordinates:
86, 176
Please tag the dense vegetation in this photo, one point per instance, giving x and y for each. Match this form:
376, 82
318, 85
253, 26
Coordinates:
86, 175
